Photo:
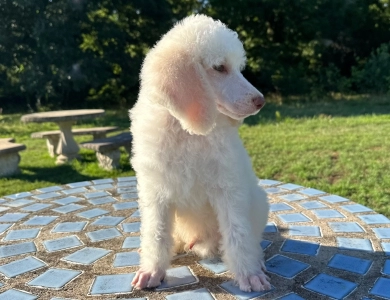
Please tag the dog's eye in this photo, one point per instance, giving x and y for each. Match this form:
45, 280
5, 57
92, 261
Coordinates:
220, 68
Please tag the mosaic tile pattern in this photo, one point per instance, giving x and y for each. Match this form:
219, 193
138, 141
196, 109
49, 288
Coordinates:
81, 240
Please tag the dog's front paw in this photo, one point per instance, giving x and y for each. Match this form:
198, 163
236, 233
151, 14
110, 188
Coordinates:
254, 283
147, 279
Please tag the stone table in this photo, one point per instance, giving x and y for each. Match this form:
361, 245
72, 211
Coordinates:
80, 241
67, 147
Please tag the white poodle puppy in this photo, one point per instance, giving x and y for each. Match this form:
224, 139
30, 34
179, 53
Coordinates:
197, 190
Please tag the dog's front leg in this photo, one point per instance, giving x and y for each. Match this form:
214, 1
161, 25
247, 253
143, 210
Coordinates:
156, 244
241, 248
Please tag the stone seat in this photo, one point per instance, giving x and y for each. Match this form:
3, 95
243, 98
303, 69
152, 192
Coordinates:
9, 157
107, 149
52, 137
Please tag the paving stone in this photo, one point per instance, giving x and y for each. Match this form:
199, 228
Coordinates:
37, 207
92, 213
87, 256
130, 178
79, 184
2, 208
374, 219
112, 284
300, 230
199, 294
126, 259
136, 214
345, 227
266, 182
176, 277
290, 186
12, 217
21, 266
330, 286
62, 243
131, 227
215, 265
5, 226
127, 190
68, 208
78, 190
300, 247
54, 278
291, 296
103, 234
101, 181
49, 189
381, 288
126, 184
354, 244
17, 249
13, 294
270, 228
100, 201
279, 207
40, 220
311, 192
386, 248
334, 199
18, 195
68, 200
293, 197
231, 287
106, 186
131, 242
355, 208
47, 196
328, 213
312, 205
125, 205
18, 203
70, 226
386, 268
128, 196
108, 221
274, 190
22, 234
290, 218
350, 263
382, 233
96, 194
265, 244
285, 266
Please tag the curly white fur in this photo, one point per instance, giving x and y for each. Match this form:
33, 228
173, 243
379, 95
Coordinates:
196, 186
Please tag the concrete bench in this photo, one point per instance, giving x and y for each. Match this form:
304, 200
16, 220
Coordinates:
53, 137
9, 157
107, 149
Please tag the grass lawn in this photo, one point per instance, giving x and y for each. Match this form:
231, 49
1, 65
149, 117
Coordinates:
338, 146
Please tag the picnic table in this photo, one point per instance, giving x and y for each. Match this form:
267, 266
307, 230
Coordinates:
67, 148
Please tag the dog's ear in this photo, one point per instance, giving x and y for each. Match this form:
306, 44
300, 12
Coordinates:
180, 84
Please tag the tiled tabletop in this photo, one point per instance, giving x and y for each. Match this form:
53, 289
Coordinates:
80, 241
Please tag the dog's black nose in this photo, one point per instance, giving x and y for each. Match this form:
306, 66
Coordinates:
259, 102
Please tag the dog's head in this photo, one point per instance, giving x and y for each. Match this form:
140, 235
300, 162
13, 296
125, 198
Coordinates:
195, 72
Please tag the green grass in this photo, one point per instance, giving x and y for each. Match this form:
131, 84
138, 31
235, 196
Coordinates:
340, 146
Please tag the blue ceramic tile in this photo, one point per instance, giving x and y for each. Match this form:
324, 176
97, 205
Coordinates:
291, 296
355, 208
382, 233
87, 256
268, 182
199, 294
354, 244
285, 266
386, 248
131, 242
78, 190
108, 221
106, 186
100, 201
328, 213
17, 249
270, 228
36, 207
350, 263
70, 227
233, 289
13, 294
4, 227
374, 219
386, 268
311, 192
128, 196
330, 286
131, 227
129, 178
290, 186
12, 217
300, 247
62, 243
67, 200
18, 203
54, 278
292, 197
18, 195
21, 266
125, 205
96, 194
345, 227
215, 265
101, 181
49, 189
126, 259
40, 220
47, 196
22, 234
126, 184
274, 190
297, 230
265, 244
334, 199
312, 205
103, 234
381, 288
112, 284
92, 213
2, 208
280, 206
79, 184
68, 208
290, 218
136, 214
176, 277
